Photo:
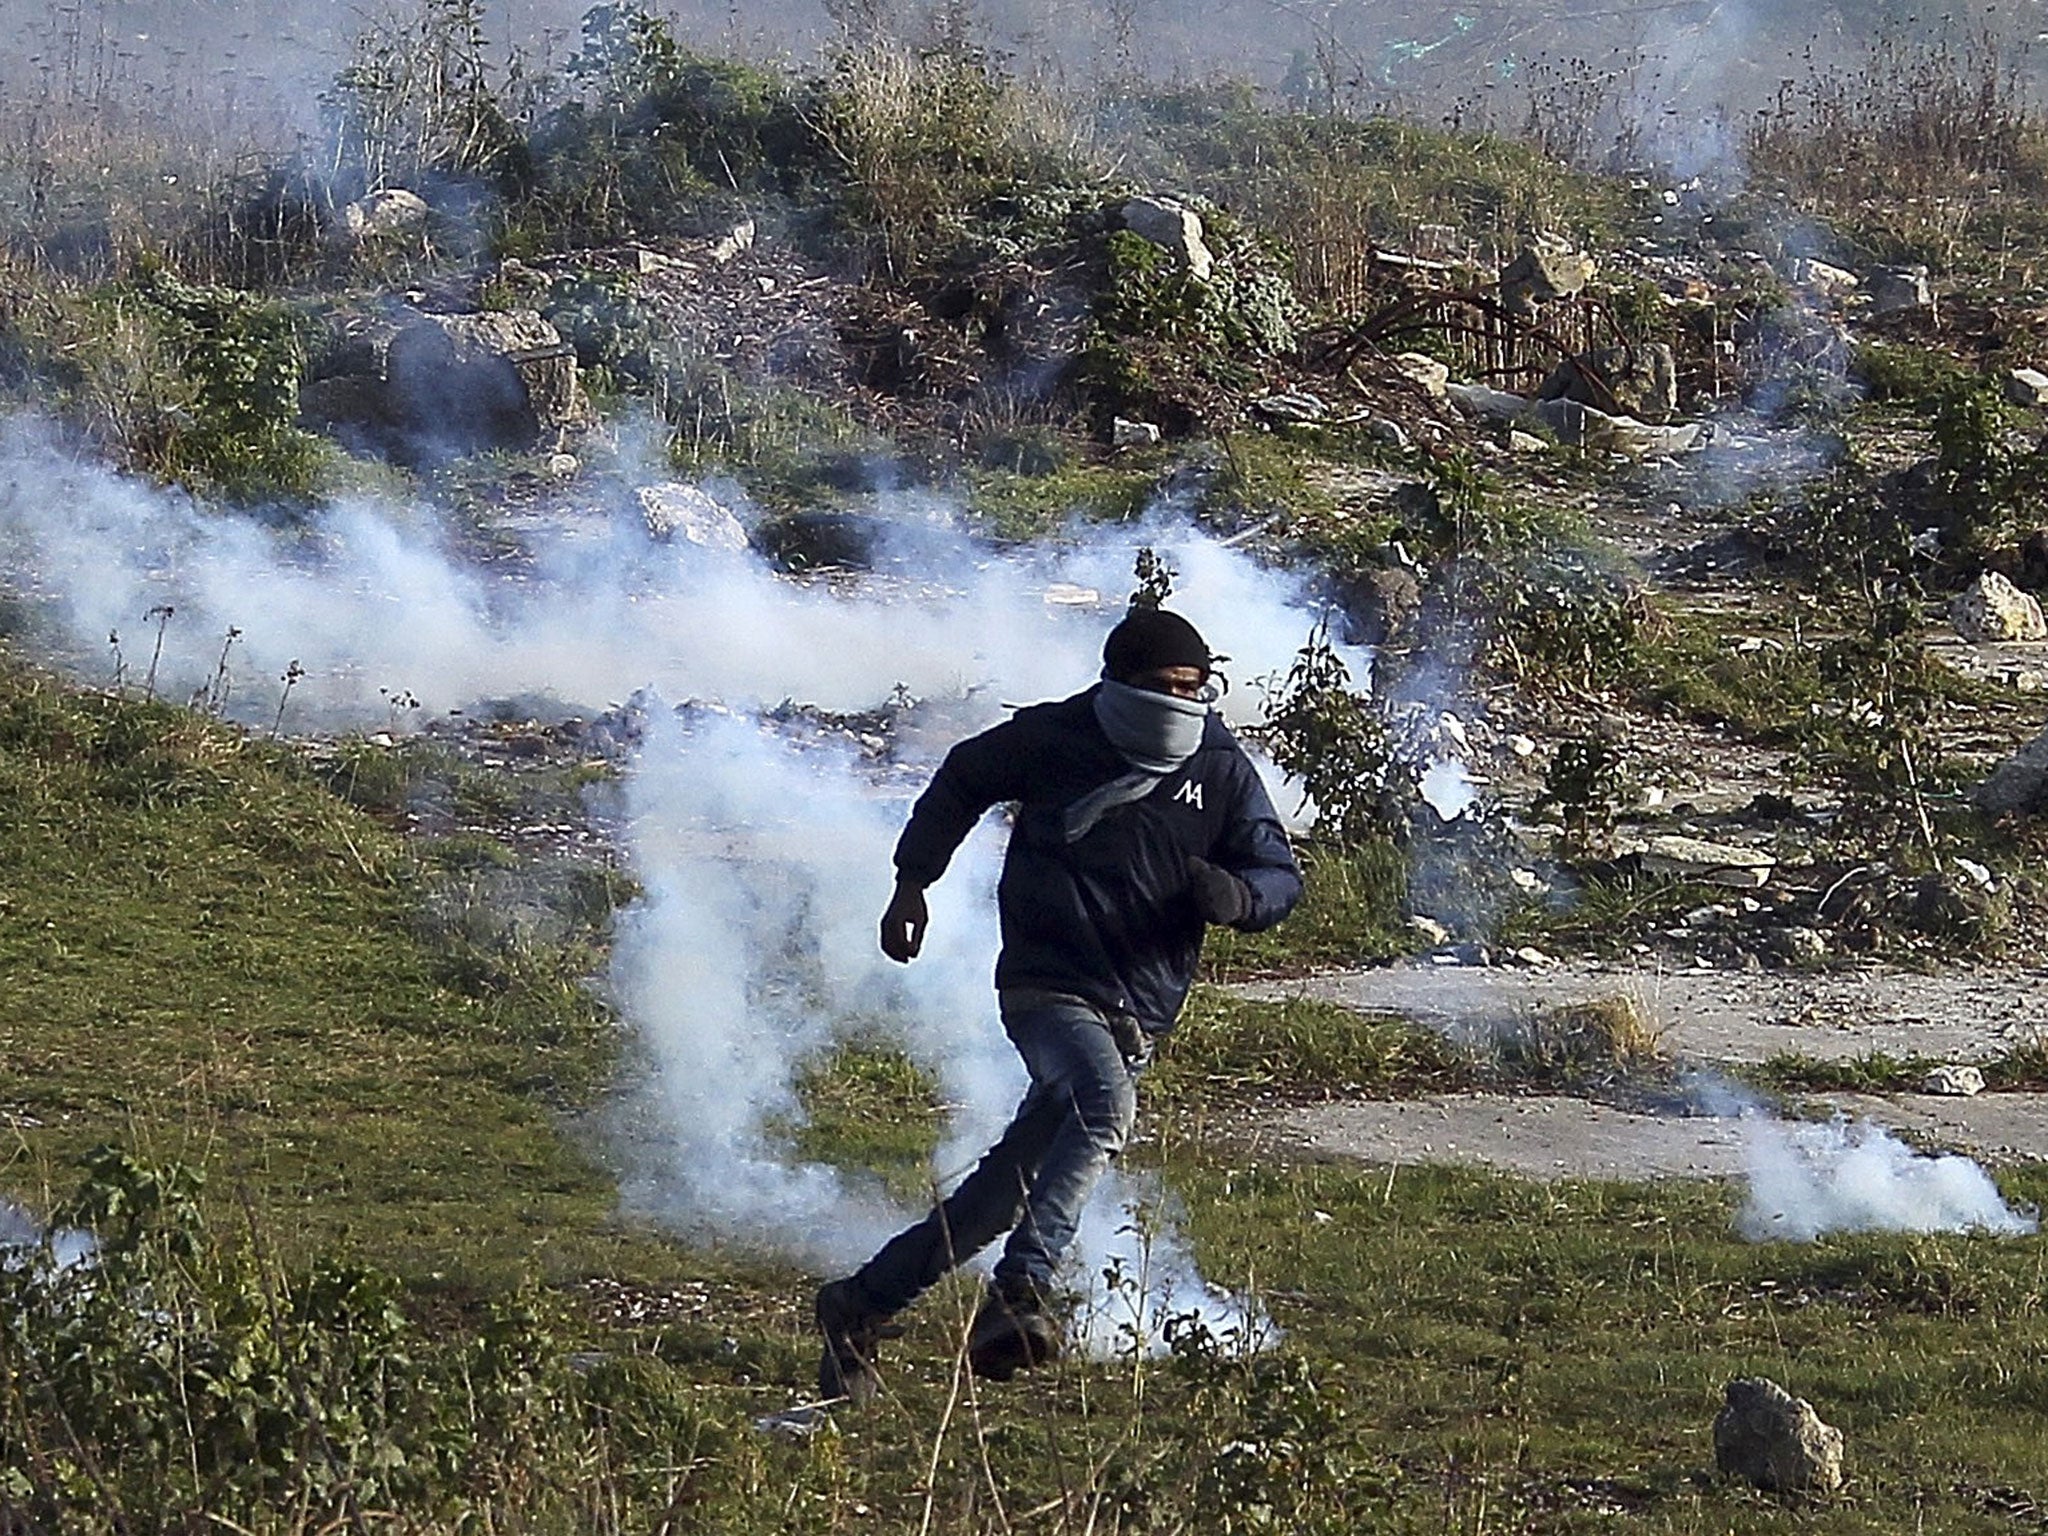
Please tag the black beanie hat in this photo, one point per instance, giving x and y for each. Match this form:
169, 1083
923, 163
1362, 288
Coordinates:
1150, 638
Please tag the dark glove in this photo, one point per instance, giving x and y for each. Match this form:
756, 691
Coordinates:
1219, 895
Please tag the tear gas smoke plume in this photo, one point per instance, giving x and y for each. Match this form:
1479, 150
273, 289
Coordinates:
764, 851
1809, 1179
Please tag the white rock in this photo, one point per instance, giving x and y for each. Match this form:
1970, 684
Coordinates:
1693, 858
2027, 386
1823, 278
1525, 442
1125, 433
674, 510
1582, 426
1066, 594
1954, 1082
1532, 957
737, 239
1423, 370
376, 215
1292, 405
1992, 610
1979, 874
563, 466
1433, 932
1522, 746
1173, 228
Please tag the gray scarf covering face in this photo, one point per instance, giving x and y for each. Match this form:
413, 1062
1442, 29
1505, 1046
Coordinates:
1155, 732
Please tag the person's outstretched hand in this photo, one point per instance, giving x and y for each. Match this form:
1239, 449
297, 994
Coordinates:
904, 923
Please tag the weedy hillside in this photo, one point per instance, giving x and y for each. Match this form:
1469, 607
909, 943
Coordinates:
1634, 537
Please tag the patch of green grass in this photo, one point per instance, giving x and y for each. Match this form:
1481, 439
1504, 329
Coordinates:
869, 1106
1604, 913
1872, 1072
209, 951
1352, 912
1226, 1047
1007, 504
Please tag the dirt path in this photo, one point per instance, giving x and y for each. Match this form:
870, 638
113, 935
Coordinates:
1706, 1017
1710, 1016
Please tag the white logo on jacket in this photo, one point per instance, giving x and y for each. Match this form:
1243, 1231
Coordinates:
1189, 793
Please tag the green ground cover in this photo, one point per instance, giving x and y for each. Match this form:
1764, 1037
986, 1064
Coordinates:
215, 963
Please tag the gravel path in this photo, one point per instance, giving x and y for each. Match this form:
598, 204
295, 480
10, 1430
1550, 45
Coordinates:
1706, 1017
1719, 1015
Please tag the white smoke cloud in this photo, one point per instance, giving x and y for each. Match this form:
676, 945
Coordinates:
1809, 1179
368, 596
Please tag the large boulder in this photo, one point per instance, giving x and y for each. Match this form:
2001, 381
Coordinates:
1172, 227
1991, 610
2019, 785
1638, 381
1775, 1441
1581, 426
674, 511
1896, 288
425, 386
1542, 273
380, 215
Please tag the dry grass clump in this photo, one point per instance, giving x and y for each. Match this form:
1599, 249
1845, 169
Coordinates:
1599, 1038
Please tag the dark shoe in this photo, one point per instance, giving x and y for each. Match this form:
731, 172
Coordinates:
853, 1335
1016, 1329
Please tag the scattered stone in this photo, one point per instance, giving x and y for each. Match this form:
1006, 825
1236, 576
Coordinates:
379, 216
1481, 400
1531, 957
1522, 746
1823, 278
1292, 405
647, 263
2019, 785
1953, 1082
674, 510
1797, 945
1125, 433
1433, 933
1991, 610
1581, 426
2027, 386
427, 385
1775, 1441
1067, 594
1979, 873
1382, 602
1172, 227
563, 466
1695, 859
1382, 429
1541, 273
1525, 442
1528, 880
1424, 371
1897, 288
1638, 381
739, 238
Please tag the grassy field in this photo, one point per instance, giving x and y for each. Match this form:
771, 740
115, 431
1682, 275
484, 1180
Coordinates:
402, 1296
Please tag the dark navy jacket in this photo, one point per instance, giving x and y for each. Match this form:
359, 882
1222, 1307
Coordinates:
1110, 917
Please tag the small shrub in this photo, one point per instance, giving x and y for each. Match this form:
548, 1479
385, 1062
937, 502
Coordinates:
1335, 742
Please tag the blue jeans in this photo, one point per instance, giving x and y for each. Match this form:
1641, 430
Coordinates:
1035, 1180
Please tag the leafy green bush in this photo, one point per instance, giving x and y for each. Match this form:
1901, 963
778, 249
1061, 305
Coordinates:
1334, 741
